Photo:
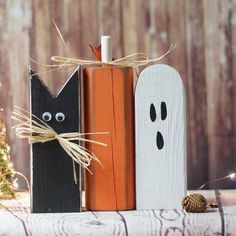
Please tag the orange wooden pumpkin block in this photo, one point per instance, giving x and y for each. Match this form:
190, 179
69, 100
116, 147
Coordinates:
109, 107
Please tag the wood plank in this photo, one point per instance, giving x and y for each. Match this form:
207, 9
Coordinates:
197, 96
172, 222
203, 58
233, 38
160, 139
220, 88
174, 31
208, 223
143, 23
41, 39
89, 27
71, 22
168, 24
13, 213
107, 10
41, 50
129, 26
147, 222
7, 222
53, 187
58, 78
109, 107
14, 55
227, 209
158, 31
63, 14
221, 162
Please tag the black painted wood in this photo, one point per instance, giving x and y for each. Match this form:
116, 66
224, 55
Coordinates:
159, 140
53, 188
163, 111
153, 114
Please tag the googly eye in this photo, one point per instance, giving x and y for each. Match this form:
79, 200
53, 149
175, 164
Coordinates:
60, 117
47, 116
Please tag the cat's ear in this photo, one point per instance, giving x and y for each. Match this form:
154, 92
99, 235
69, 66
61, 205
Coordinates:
71, 85
37, 86
31, 73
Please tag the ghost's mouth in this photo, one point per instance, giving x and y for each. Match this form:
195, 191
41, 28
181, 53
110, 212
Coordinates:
159, 140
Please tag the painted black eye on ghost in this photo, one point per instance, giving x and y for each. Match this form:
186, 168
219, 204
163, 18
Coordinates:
153, 115
163, 111
47, 116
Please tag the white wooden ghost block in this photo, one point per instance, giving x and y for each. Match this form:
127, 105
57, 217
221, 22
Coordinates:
160, 123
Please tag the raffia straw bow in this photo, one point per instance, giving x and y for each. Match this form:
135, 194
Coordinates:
37, 131
133, 60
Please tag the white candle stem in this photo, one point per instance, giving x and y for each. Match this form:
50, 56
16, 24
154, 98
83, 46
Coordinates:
106, 47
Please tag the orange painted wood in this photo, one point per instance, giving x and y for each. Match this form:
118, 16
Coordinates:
109, 107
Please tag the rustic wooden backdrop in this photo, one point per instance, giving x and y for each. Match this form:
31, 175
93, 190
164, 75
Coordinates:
203, 30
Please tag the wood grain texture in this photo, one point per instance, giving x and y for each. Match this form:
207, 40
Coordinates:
106, 10
15, 25
53, 187
203, 30
197, 96
16, 220
220, 81
160, 134
109, 107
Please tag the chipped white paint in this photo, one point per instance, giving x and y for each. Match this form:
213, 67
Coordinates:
151, 30
163, 36
17, 220
16, 11
160, 171
233, 20
222, 59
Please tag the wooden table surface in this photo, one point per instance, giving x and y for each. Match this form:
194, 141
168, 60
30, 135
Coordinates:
15, 219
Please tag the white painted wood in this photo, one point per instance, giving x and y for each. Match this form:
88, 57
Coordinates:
106, 48
7, 222
228, 210
160, 173
15, 219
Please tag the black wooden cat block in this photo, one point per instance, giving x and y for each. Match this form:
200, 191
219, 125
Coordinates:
53, 188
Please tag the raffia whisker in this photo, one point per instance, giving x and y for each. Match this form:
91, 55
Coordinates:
37, 131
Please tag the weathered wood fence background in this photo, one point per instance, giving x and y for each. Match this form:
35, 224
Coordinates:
203, 30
